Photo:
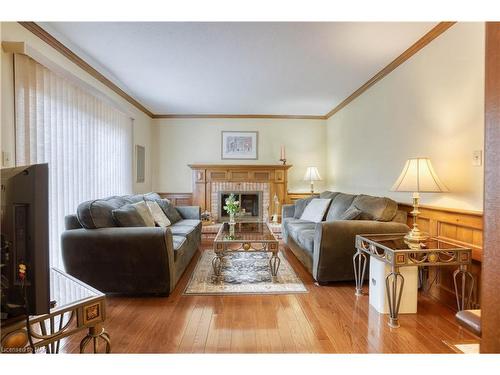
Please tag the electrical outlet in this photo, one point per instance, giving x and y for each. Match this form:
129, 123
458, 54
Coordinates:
477, 158
5, 158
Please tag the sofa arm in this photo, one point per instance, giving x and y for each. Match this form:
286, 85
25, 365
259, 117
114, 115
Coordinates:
334, 246
287, 210
190, 212
132, 260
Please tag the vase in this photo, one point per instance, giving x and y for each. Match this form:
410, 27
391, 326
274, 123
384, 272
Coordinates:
231, 218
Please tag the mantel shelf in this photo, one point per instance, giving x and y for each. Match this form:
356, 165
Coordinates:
239, 166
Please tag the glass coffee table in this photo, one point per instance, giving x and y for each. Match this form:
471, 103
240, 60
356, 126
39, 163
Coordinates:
245, 237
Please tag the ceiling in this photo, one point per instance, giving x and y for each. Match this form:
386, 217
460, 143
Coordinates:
275, 68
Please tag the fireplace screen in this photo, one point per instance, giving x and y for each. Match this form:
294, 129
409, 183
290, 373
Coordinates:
250, 203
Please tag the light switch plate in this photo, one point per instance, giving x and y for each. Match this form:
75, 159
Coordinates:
5, 158
477, 158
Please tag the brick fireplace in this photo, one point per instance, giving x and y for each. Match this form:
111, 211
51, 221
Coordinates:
212, 181
260, 192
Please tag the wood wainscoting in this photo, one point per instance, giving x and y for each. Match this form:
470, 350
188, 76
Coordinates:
462, 227
178, 199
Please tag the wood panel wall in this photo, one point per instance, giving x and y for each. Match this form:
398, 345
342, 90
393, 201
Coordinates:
178, 199
490, 309
464, 228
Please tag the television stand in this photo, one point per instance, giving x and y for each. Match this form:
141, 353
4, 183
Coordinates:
77, 307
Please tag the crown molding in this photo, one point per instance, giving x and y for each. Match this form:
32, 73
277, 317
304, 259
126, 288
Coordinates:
412, 50
256, 116
69, 54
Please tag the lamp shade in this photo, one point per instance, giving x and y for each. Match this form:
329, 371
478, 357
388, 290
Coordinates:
312, 174
419, 176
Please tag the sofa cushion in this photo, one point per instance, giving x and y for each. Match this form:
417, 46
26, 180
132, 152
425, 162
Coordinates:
127, 216
339, 205
158, 215
300, 205
169, 209
375, 208
305, 239
295, 228
352, 213
328, 194
143, 210
98, 213
315, 211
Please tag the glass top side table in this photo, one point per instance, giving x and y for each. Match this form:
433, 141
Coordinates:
392, 249
77, 307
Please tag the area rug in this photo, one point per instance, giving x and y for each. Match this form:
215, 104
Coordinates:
243, 273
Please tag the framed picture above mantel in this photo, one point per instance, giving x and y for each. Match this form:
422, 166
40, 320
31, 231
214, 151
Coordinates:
239, 145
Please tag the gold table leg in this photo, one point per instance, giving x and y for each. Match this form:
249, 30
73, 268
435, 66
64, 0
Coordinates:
95, 333
359, 262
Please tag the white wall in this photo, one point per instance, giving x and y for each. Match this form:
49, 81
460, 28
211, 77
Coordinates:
432, 105
179, 142
12, 31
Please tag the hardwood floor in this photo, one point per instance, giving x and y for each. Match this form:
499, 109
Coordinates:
328, 319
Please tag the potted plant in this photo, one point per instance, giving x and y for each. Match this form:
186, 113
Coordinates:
232, 207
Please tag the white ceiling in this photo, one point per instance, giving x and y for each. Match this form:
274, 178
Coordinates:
289, 68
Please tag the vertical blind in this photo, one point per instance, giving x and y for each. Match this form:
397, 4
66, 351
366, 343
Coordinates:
86, 142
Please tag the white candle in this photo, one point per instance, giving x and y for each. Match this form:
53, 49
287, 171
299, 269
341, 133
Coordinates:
282, 153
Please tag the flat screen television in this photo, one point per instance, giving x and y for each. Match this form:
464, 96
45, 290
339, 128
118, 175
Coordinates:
25, 241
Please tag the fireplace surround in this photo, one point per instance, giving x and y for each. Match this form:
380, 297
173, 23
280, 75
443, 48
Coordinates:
210, 180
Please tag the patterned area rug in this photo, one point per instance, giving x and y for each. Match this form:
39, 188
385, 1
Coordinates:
243, 273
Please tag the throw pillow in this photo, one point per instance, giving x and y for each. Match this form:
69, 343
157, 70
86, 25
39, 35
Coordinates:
300, 205
170, 210
315, 210
352, 213
158, 215
143, 210
127, 216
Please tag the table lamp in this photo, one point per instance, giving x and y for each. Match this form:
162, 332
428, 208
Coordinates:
418, 176
312, 175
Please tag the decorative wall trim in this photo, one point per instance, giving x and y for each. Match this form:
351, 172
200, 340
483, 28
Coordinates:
69, 54
286, 117
417, 46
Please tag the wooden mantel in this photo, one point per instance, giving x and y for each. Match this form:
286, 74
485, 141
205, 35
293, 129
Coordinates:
204, 174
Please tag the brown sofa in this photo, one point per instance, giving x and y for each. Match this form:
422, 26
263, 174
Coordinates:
326, 248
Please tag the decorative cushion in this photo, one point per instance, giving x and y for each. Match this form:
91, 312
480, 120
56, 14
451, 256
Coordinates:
315, 210
339, 205
143, 210
158, 215
352, 213
128, 216
375, 208
300, 205
98, 213
169, 209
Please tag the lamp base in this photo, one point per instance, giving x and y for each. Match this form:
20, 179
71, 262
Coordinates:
415, 237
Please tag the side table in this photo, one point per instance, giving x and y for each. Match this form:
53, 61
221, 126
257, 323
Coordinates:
78, 307
392, 249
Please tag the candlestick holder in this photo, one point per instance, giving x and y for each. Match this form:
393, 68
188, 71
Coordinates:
283, 161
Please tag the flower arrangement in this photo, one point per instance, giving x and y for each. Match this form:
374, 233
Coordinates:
232, 206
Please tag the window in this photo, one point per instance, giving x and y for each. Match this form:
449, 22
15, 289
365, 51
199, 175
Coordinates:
86, 142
